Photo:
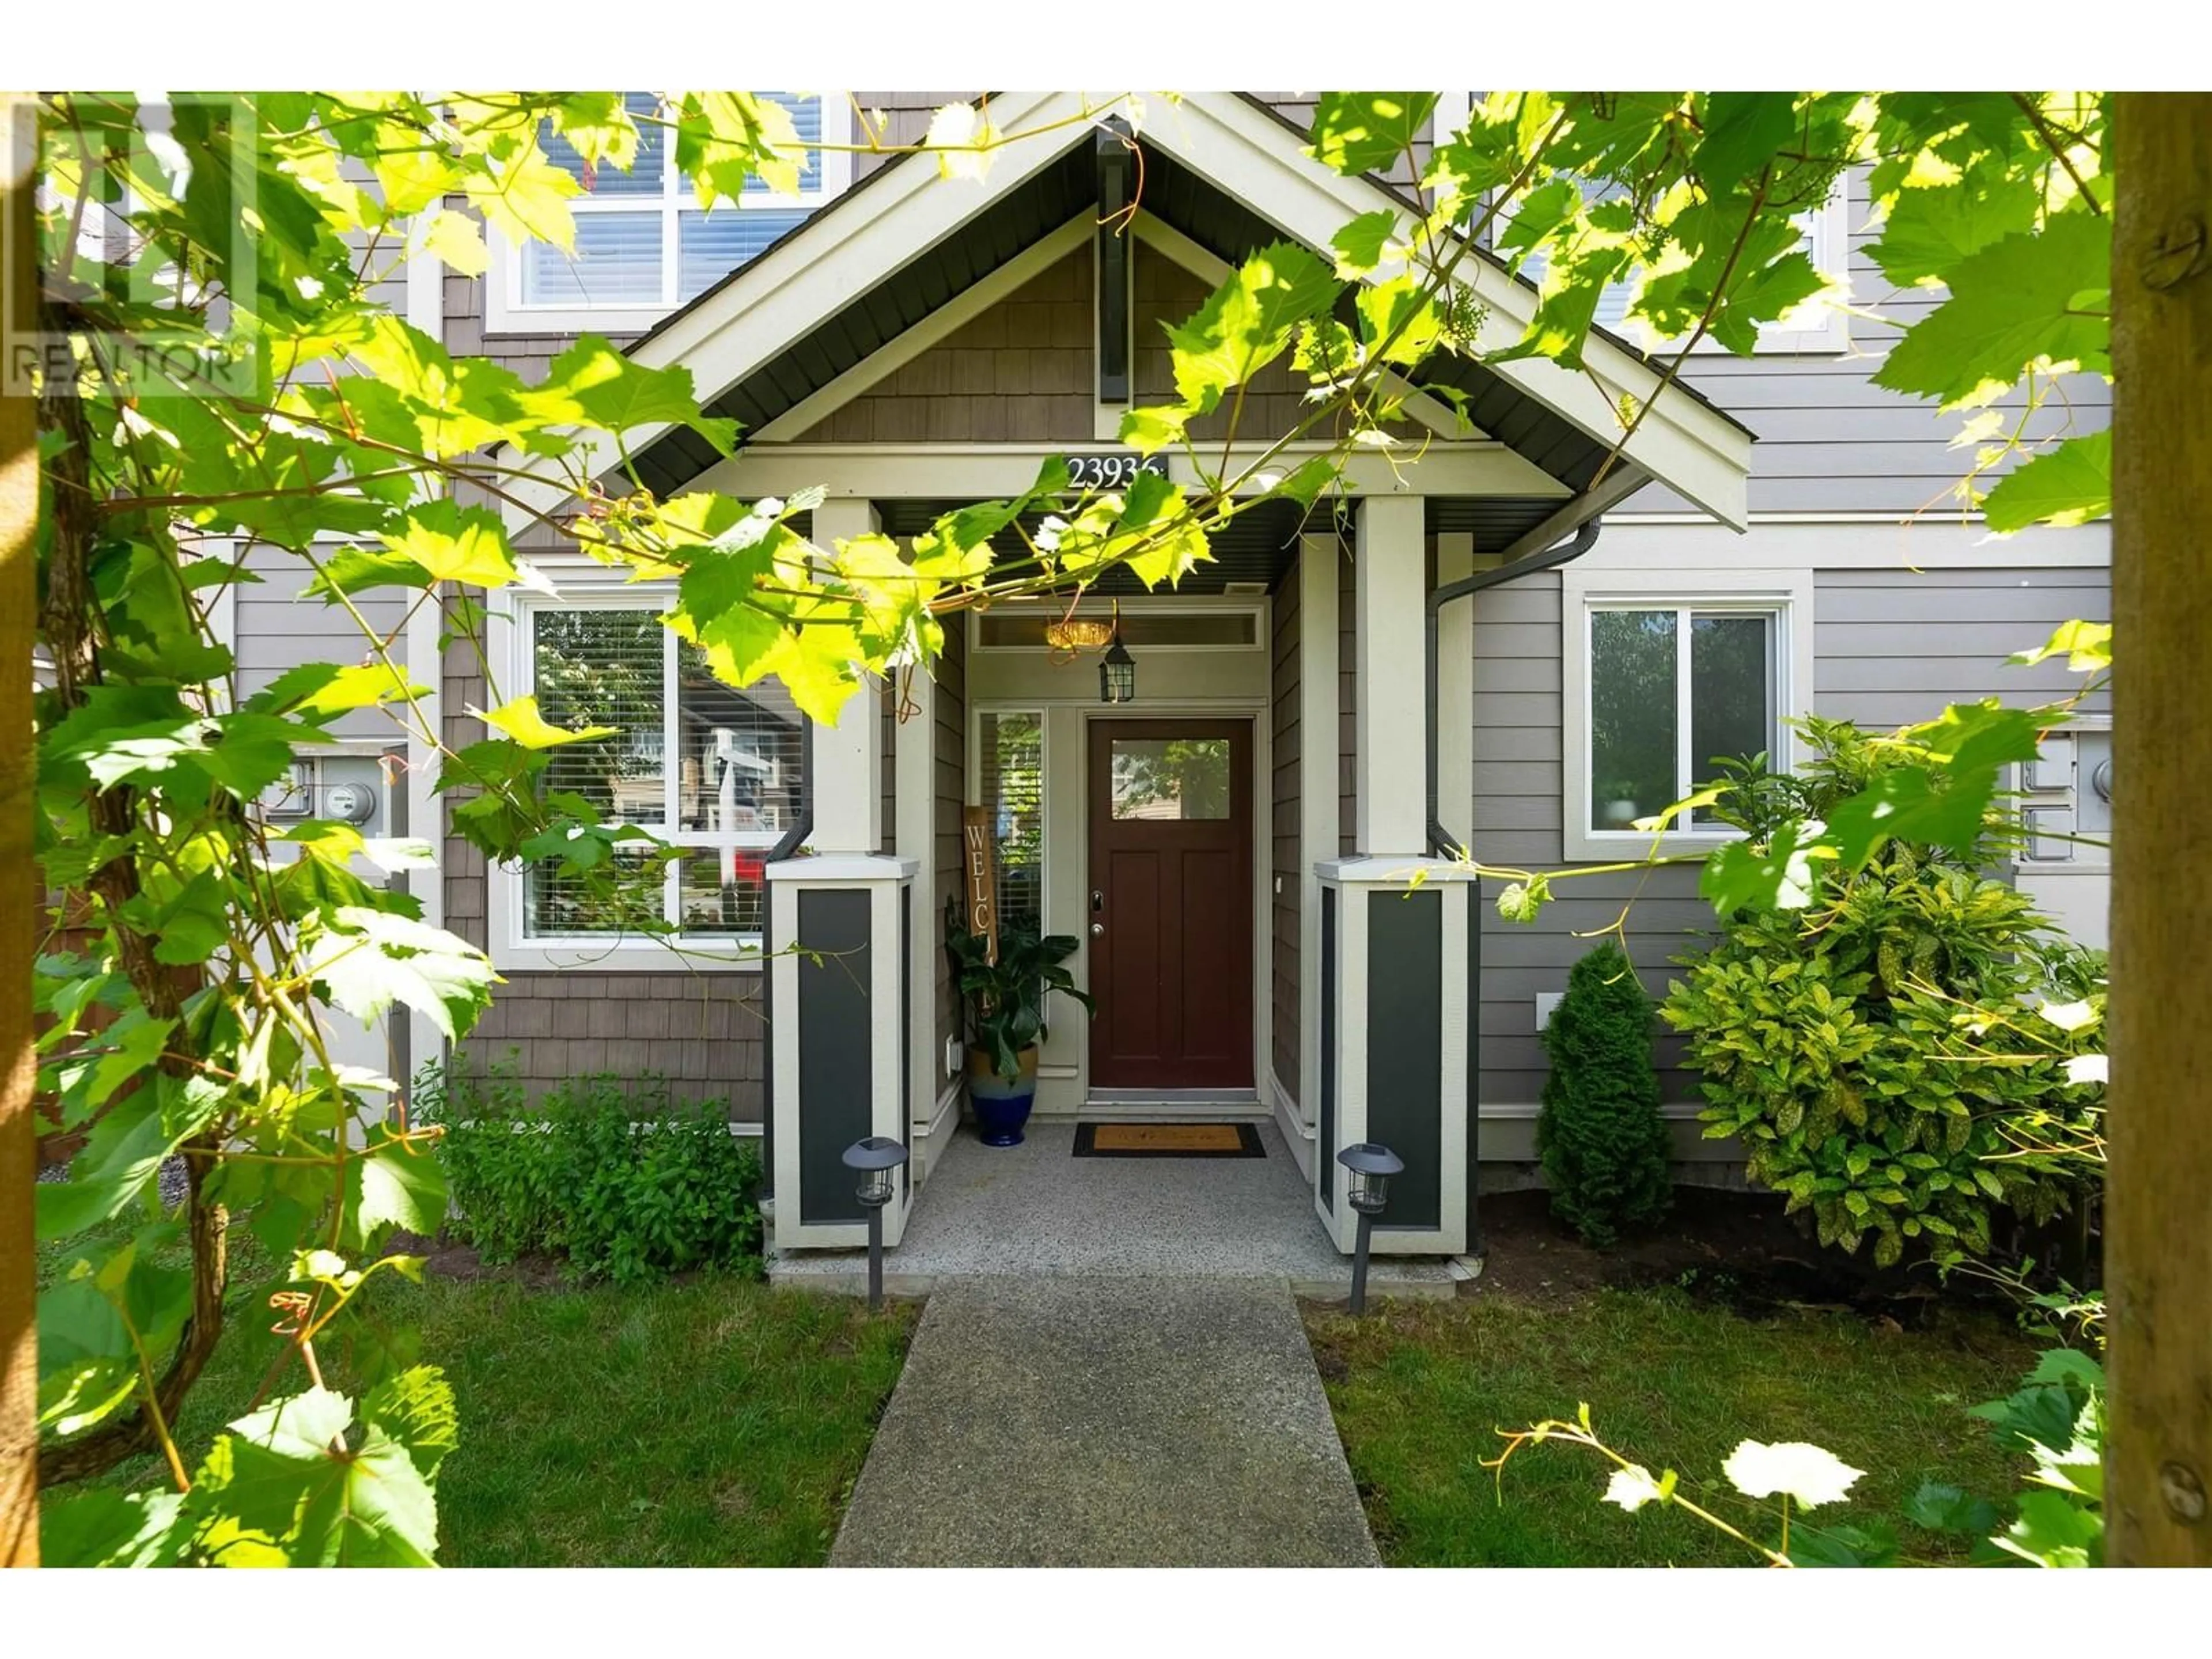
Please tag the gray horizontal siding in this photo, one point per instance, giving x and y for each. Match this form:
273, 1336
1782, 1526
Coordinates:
279, 627
1830, 441
1890, 646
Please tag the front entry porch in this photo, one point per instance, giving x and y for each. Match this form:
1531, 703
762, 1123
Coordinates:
1036, 1210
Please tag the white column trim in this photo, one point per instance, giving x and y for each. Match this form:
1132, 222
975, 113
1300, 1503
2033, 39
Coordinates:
1319, 801
913, 764
426, 808
848, 802
1455, 690
1390, 585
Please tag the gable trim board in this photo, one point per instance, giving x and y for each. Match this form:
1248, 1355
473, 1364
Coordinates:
904, 210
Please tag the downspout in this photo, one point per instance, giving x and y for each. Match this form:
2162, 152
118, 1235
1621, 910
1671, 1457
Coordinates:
794, 839
1440, 843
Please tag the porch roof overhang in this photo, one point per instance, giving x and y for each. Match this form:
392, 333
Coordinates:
849, 285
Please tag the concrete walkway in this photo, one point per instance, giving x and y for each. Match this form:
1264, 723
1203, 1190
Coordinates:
1094, 1422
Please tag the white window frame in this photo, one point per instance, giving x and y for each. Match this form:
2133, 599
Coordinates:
506, 312
591, 588
1787, 596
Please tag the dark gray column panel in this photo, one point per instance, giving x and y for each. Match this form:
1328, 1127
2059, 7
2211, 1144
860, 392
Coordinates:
1405, 1059
837, 1042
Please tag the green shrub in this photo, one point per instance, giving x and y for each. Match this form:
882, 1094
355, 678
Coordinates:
1878, 1051
615, 1173
1603, 1143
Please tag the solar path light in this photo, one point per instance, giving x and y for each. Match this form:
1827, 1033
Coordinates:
878, 1158
1373, 1164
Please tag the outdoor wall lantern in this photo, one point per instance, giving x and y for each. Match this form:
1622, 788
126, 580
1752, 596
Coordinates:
878, 1159
1371, 1164
1117, 673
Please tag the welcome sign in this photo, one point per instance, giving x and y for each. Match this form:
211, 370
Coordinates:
980, 858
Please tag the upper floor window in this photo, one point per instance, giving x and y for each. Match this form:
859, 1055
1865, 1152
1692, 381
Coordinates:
1820, 325
644, 245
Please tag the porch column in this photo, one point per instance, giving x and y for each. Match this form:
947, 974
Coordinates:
1455, 690
1319, 805
848, 802
841, 1041
1396, 1050
1397, 925
1391, 719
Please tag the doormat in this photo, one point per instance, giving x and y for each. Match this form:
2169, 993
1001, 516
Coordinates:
1168, 1140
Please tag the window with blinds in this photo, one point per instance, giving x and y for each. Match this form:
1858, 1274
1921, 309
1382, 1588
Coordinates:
641, 241
1809, 327
1011, 786
710, 768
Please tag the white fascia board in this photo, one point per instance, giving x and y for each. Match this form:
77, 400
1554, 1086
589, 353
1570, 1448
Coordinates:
1692, 449
988, 472
804, 280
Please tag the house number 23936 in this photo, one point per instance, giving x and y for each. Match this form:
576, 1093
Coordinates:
1115, 470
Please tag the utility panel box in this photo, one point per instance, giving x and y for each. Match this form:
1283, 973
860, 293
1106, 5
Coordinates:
2065, 806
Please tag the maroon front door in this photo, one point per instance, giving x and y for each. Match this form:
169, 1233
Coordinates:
1170, 904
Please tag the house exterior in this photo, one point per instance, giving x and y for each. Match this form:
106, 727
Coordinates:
1249, 852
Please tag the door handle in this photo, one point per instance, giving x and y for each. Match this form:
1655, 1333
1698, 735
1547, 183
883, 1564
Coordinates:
1097, 929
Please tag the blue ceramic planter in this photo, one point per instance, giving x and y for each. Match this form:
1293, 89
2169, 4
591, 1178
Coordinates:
1002, 1106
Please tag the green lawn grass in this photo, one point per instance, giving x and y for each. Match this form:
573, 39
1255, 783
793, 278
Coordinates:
716, 1423
1418, 1388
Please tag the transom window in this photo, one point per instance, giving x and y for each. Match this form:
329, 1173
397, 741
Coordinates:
708, 767
643, 244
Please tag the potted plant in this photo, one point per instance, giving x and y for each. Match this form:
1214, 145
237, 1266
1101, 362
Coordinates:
1004, 1001
1619, 798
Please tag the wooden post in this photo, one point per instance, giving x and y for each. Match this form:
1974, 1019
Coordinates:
2158, 1210
19, 1157
979, 858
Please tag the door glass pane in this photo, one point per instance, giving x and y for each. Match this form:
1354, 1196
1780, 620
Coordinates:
1633, 725
1012, 776
1731, 691
1170, 777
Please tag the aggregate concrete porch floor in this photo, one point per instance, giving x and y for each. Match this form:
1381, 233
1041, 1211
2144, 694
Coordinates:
1121, 1421
1036, 1210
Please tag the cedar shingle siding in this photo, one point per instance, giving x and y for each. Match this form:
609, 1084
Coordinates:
1021, 370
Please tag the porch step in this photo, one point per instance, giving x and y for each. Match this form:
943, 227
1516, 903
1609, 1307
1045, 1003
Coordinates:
1036, 1212
1087, 1422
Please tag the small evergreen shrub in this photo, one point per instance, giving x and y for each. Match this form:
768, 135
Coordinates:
615, 1173
1603, 1143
